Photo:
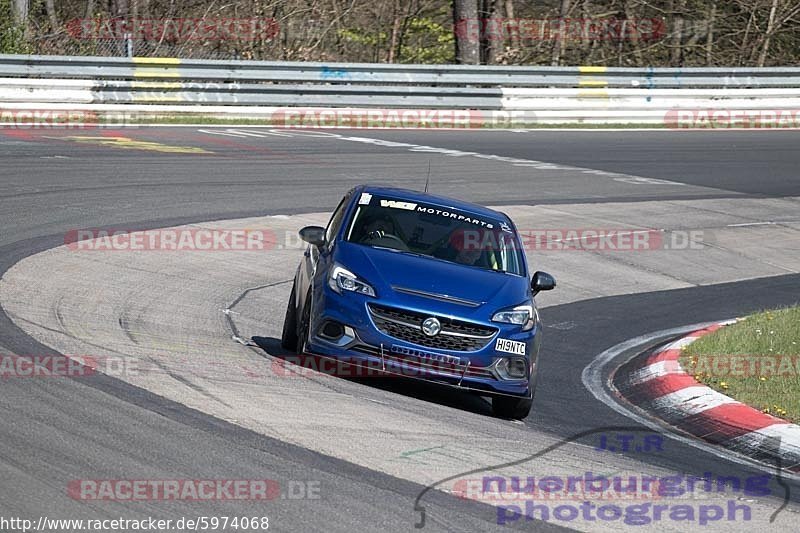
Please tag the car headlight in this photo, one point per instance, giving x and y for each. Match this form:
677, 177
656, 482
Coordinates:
342, 279
521, 315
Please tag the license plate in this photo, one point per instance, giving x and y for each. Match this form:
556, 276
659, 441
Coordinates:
509, 346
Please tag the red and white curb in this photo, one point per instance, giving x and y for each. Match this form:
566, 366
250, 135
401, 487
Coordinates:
659, 385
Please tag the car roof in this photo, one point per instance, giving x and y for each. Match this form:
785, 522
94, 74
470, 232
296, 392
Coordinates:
440, 201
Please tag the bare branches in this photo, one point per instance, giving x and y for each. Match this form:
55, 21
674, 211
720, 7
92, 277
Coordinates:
566, 32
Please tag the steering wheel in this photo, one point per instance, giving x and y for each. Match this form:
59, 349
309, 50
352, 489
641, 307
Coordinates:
375, 237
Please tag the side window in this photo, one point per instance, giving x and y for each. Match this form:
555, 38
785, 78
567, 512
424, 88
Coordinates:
336, 220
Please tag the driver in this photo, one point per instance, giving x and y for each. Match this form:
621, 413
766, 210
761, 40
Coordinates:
376, 227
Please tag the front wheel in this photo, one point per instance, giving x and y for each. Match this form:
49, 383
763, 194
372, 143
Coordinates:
289, 335
511, 407
305, 326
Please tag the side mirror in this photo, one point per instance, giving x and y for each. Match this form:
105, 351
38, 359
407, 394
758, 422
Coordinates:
542, 281
313, 235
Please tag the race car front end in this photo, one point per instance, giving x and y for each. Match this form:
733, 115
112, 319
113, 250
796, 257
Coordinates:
401, 331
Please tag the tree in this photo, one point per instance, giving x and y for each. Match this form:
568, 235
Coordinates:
634, 33
468, 31
13, 27
559, 44
21, 11
51, 14
492, 40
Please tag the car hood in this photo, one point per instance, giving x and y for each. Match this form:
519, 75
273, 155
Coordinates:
387, 270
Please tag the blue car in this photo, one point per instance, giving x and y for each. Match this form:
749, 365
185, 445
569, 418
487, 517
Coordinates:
416, 285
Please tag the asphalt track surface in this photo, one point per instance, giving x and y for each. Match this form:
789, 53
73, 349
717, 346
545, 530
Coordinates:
57, 430
734, 161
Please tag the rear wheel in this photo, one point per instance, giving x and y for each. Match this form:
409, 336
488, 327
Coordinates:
511, 407
289, 335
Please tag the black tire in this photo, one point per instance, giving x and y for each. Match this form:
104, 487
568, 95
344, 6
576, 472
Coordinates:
289, 335
305, 325
511, 407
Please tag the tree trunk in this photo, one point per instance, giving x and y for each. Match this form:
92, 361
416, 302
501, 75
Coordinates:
710, 35
676, 44
559, 43
586, 15
762, 58
635, 43
512, 25
492, 40
21, 11
395, 35
743, 46
51, 15
468, 34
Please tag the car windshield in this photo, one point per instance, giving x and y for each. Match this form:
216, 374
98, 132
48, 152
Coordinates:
435, 231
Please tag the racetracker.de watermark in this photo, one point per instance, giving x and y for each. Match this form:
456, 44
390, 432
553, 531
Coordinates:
584, 239
743, 365
173, 489
174, 29
192, 489
313, 117
562, 29
732, 118
267, 239
555, 239
65, 366
47, 119
393, 363
43, 366
170, 240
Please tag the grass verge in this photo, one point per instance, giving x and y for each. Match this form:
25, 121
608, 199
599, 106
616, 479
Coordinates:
756, 361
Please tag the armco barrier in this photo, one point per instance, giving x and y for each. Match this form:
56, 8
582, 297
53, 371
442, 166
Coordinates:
524, 94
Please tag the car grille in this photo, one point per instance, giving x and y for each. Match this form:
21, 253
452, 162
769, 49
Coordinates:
456, 335
411, 363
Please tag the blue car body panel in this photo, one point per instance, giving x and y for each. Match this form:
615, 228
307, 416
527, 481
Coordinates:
409, 288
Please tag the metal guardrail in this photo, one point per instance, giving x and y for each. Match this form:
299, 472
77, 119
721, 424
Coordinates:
558, 93
378, 73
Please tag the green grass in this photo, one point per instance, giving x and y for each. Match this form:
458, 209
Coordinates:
756, 361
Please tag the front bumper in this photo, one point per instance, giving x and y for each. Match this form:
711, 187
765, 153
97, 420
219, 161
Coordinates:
364, 345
